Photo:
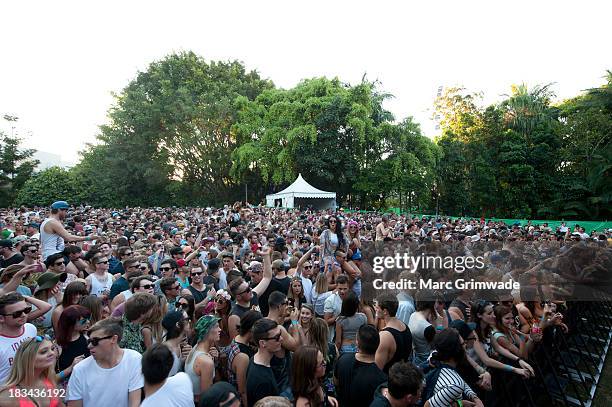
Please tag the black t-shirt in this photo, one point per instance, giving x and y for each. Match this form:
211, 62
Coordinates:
284, 283
263, 298
379, 399
211, 280
198, 296
358, 381
16, 259
71, 351
260, 383
239, 310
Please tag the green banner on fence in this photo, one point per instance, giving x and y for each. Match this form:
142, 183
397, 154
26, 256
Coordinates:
587, 225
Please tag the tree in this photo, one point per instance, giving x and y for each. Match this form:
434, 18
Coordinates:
16, 165
46, 187
173, 122
323, 128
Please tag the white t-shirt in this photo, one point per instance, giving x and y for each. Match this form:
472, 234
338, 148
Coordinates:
176, 392
307, 284
106, 387
8, 348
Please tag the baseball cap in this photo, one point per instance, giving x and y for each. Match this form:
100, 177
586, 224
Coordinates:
60, 205
217, 394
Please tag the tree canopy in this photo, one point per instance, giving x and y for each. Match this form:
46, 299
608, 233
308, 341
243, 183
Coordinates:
187, 131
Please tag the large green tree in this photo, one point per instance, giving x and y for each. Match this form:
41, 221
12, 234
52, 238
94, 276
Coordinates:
173, 122
323, 128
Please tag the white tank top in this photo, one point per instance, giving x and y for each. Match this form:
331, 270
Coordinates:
98, 288
51, 243
127, 294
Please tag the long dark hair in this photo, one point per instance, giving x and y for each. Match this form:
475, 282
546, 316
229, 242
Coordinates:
303, 380
67, 321
339, 232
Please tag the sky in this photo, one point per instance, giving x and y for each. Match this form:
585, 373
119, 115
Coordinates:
62, 60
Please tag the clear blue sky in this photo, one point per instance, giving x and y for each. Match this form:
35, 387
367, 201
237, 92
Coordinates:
61, 60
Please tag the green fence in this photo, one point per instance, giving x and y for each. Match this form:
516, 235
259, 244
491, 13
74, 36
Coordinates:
587, 225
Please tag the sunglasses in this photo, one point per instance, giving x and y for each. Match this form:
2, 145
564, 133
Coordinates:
39, 338
59, 263
183, 305
129, 253
96, 341
197, 273
248, 290
83, 321
307, 267
33, 250
165, 268
143, 268
102, 262
19, 313
147, 286
275, 338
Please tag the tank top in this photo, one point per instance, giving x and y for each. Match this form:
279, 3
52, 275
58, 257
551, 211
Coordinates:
27, 402
98, 288
195, 379
403, 346
422, 348
51, 243
126, 294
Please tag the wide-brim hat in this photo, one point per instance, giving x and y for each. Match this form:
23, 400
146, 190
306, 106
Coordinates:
49, 279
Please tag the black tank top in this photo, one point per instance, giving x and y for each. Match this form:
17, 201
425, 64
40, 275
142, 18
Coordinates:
403, 346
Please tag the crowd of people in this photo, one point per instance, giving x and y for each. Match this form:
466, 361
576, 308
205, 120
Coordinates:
256, 306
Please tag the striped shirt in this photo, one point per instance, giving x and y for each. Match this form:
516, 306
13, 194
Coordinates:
449, 388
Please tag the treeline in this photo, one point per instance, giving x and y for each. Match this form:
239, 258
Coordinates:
191, 132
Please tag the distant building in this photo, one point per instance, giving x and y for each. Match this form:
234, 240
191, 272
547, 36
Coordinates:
48, 160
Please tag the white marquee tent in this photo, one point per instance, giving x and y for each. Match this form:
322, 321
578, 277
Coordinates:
302, 194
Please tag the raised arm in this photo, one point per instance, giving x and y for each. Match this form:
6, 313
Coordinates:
267, 273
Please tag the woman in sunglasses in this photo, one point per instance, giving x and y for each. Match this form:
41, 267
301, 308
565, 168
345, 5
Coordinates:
223, 307
31, 381
308, 370
332, 239
70, 336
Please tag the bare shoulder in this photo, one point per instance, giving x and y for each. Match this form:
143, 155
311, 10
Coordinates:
7, 399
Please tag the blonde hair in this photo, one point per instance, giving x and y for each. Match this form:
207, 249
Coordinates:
321, 285
22, 371
154, 321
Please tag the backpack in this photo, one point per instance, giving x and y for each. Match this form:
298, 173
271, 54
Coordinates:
431, 379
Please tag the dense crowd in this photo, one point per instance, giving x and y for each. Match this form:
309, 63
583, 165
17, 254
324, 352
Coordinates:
255, 306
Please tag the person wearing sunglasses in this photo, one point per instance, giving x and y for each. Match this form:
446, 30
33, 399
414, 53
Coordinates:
140, 284
245, 296
161, 388
196, 286
308, 367
70, 336
170, 289
116, 371
100, 282
131, 267
34, 386
14, 329
261, 381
